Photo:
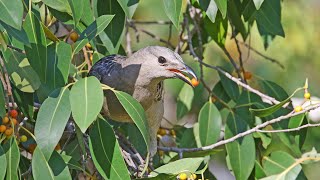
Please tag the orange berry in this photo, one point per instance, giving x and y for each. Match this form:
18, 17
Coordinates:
23, 138
14, 121
213, 99
298, 109
162, 132
5, 120
307, 95
91, 57
247, 75
195, 82
2, 128
193, 176
14, 113
8, 132
172, 132
74, 36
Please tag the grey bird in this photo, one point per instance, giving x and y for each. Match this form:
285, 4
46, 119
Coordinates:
140, 75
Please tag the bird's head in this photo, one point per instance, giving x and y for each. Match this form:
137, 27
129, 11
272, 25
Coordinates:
164, 63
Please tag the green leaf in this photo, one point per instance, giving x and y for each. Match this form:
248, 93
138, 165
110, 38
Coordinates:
270, 110
111, 37
21, 73
176, 167
51, 120
87, 15
242, 151
234, 16
219, 91
258, 3
209, 124
37, 52
230, 87
173, 10
217, 30
11, 13
59, 168
296, 121
24, 101
49, 34
77, 10
13, 157
185, 99
106, 153
59, 5
129, 6
92, 31
86, 100
281, 165
3, 164
222, 5
20, 35
210, 7
2, 102
40, 167
136, 113
259, 172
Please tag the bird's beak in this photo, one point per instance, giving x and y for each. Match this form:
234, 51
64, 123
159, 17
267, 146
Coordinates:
183, 77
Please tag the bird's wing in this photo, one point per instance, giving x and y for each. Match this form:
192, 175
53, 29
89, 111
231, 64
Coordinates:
106, 65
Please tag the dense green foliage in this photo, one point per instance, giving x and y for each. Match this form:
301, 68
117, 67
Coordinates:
47, 47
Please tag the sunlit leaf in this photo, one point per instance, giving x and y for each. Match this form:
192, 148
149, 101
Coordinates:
59, 168
129, 6
77, 10
173, 10
184, 103
40, 167
11, 13
3, 164
210, 7
13, 157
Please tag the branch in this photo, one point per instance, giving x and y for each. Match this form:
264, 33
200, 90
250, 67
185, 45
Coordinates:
289, 130
250, 131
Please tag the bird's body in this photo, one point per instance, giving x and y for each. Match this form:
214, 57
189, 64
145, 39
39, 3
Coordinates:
138, 76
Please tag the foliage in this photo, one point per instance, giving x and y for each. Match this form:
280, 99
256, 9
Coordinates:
47, 48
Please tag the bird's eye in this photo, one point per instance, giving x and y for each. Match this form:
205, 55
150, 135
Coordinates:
162, 60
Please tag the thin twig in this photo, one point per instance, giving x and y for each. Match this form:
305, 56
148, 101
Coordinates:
128, 42
289, 130
152, 22
85, 53
16, 49
250, 131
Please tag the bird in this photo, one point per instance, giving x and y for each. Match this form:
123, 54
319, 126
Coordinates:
141, 75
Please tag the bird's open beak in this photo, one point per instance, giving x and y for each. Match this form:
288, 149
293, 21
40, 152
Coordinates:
180, 74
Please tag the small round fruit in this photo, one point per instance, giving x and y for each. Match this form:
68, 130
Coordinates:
8, 132
88, 45
91, 58
162, 132
247, 75
193, 176
173, 132
23, 138
32, 147
2, 128
183, 176
298, 109
195, 82
307, 95
14, 121
14, 113
74, 36
5, 120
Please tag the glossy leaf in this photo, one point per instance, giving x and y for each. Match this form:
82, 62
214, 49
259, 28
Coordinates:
296, 121
77, 10
129, 6
24, 101
92, 31
176, 167
111, 37
173, 10
40, 167
217, 30
2, 102
86, 100
49, 34
241, 151
3, 164
51, 120
222, 5
136, 113
258, 3
210, 7
87, 15
219, 91
209, 124
20, 35
59, 5
281, 165
11, 13
230, 87
13, 157
234, 15
106, 152
59, 168
21, 73
184, 102
37, 52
